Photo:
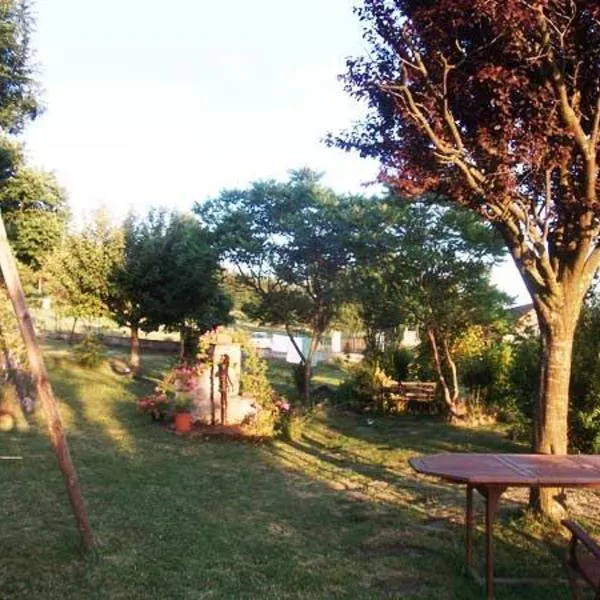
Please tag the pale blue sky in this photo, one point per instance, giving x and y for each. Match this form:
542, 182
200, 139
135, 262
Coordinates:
152, 102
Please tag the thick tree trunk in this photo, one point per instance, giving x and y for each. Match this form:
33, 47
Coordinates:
134, 358
43, 388
550, 429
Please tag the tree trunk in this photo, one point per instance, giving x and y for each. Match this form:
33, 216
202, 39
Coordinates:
44, 389
448, 401
134, 358
181, 342
191, 339
72, 336
453, 371
551, 427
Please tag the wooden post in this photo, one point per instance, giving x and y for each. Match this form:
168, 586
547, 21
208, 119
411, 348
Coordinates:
43, 388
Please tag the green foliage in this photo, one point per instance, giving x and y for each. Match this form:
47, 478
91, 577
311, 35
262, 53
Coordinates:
90, 352
136, 281
254, 379
396, 362
363, 387
191, 292
79, 271
584, 415
524, 374
295, 421
35, 212
183, 402
18, 89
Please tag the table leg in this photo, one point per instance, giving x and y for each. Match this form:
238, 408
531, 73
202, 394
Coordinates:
492, 495
469, 527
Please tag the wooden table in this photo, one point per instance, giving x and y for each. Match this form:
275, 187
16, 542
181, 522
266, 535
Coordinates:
491, 474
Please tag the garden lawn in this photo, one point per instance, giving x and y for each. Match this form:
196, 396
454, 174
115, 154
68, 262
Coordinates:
336, 514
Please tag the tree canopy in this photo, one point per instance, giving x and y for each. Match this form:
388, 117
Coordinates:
79, 270
286, 241
169, 277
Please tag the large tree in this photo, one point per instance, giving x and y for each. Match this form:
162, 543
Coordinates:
287, 242
496, 104
18, 104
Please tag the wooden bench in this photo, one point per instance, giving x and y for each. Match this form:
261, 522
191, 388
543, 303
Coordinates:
417, 396
583, 560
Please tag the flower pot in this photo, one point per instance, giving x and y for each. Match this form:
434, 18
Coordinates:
183, 422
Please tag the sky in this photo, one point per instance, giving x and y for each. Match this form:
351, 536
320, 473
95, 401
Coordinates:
152, 103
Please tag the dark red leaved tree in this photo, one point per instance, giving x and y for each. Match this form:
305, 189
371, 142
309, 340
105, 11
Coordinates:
496, 105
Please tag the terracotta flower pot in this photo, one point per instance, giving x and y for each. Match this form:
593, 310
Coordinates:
183, 422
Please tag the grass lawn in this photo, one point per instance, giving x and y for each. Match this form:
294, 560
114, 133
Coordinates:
338, 514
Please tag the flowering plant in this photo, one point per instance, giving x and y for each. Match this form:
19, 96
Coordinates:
156, 405
281, 404
183, 377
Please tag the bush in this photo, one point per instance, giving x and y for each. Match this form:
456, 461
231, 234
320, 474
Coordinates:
396, 363
90, 352
363, 388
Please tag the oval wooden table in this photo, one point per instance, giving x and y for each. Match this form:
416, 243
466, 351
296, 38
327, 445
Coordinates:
491, 474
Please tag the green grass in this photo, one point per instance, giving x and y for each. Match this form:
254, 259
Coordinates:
337, 514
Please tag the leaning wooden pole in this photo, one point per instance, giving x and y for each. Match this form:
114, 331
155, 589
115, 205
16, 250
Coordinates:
43, 388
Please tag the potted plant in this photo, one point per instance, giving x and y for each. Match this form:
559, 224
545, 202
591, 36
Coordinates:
182, 409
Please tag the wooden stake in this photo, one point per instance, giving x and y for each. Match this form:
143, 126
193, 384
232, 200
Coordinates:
43, 388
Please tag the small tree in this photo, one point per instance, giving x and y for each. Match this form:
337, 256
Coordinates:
432, 264
496, 105
287, 242
135, 284
80, 269
191, 299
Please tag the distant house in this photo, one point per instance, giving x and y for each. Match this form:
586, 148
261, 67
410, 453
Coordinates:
525, 319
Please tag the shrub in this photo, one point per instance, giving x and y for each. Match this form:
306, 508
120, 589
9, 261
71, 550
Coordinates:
89, 352
396, 363
363, 388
